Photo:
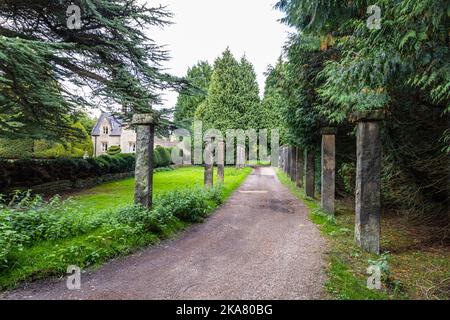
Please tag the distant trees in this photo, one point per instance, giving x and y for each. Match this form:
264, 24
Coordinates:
44, 148
233, 96
273, 103
199, 77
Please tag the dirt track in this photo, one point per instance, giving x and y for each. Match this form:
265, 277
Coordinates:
259, 245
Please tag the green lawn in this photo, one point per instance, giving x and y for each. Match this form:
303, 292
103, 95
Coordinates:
51, 257
120, 193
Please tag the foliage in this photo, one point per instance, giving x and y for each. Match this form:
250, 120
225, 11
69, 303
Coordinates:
27, 219
75, 146
92, 235
336, 65
188, 205
111, 54
199, 77
24, 173
113, 150
233, 101
273, 102
248, 96
29, 172
16, 148
162, 156
87, 122
116, 194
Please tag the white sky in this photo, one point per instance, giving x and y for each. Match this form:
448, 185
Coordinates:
203, 29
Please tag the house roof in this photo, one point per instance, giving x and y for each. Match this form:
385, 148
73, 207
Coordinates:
116, 125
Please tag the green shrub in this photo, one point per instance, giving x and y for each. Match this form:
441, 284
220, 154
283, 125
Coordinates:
16, 149
27, 220
188, 205
164, 156
25, 173
149, 220
113, 150
157, 160
347, 172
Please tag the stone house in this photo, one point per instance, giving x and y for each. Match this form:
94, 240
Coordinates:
109, 131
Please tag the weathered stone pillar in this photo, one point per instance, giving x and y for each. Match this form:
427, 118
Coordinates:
145, 130
294, 164
240, 156
368, 181
220, 162
328, 169
300, 167
309, 178
280, 158
285, 156
289, 160
209, 167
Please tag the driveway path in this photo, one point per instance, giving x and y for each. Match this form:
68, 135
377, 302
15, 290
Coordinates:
259, 245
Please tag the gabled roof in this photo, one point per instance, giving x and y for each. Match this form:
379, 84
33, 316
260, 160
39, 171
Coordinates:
115, 124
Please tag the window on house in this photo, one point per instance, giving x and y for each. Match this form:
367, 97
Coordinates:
105, 130
104, 146
132, 147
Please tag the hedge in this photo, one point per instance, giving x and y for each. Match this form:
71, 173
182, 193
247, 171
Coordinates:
25, 173
162, 157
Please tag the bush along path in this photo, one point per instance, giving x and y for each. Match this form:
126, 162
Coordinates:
259, 245
39, 239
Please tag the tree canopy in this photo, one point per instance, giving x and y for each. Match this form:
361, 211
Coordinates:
199, 77
44, 65
336, 65
233, 96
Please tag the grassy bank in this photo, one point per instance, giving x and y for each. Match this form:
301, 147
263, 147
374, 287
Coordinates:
120, 193
101, 223
410, 270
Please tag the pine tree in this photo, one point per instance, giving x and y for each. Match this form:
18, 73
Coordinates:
222, 109
233, 101
199, 78
249, 95
273, 102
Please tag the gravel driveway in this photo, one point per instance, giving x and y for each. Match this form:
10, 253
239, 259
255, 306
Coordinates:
258, 245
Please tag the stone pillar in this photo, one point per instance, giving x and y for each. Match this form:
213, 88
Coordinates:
294, 164
289, 157
209, 167
220, 162
240, 155
145, 131
300, 166
280, 158
286, 160
309, 179
368, 181
328, 169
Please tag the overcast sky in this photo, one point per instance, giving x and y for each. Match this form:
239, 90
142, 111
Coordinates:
203, 29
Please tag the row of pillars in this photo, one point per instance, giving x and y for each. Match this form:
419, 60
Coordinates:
210, 156
298, 164
145, 137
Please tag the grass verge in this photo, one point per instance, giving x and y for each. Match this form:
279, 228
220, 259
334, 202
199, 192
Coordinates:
119, 228
410, 271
